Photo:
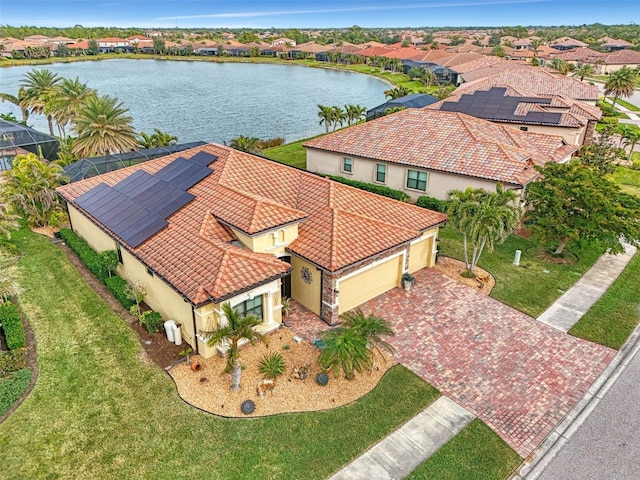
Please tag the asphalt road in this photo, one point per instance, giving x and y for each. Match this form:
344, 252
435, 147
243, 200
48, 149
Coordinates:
607, 444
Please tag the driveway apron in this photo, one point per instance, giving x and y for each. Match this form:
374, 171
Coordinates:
518, 375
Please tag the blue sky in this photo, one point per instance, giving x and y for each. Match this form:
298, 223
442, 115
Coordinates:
309, 14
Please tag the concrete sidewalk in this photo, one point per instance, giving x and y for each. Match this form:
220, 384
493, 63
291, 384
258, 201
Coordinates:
570, 307
398, 454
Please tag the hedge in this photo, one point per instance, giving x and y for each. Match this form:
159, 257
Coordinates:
12, 361
432, 203
116, 286
12, 326
152, 321
86, 254
369, 187
11, 388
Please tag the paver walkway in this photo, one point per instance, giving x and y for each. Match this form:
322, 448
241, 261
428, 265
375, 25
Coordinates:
398, 454
577, 301
518, 375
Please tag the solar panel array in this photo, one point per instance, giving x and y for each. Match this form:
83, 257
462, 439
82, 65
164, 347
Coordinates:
495, 105
137, 207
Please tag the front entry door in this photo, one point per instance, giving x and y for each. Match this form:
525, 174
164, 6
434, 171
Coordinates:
286, 281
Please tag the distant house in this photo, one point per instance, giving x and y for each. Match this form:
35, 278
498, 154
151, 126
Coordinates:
575, 121
213, 225
613, 44
567, 43
430, 152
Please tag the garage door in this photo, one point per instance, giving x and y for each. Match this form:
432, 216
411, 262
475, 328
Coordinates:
370, 283
419, 254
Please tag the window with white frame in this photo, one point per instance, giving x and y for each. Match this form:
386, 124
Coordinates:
417, 180
347, 165
381, 173
253, 306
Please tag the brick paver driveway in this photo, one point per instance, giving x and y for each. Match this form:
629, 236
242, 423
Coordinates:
518, 375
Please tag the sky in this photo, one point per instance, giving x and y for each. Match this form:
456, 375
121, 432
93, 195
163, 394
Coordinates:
265, 14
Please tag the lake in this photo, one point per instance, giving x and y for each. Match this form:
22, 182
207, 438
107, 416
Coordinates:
214, 102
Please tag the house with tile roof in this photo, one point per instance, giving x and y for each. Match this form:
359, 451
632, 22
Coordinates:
518, 108
430, 152
212, 225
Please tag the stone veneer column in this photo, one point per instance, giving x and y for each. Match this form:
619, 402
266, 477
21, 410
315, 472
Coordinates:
329, 299
588, 134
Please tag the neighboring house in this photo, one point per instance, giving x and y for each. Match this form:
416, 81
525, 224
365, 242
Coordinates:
212, 225
430, 152
537, 80
285, 42
613, 44
614, 61
567, 43
575, 121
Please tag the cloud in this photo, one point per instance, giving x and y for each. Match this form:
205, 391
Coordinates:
367, 8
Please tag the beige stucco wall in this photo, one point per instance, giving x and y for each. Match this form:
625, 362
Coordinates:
603, 69
90, 232
307, 294
272, 241
422, 252
438, 183
573, 136
208, 317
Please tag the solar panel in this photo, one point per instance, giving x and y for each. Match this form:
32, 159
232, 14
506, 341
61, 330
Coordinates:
204, 158
183, 173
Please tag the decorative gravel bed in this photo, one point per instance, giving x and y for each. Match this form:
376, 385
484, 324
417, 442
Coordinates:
209, 388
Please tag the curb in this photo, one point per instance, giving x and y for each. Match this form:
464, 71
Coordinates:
534, 465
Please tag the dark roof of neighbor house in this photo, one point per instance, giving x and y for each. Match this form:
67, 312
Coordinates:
502, 105
338, 226
448, 142
415, 100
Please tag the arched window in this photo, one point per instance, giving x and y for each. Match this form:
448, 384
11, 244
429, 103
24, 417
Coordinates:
280, 236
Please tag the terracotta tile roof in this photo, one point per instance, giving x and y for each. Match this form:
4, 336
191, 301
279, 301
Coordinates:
448, 142
568, 42
339, 225
622, 57
484, 71
614, 43
579, 55
538, 80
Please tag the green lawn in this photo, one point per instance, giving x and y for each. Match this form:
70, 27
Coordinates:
612, 319
475, 453
292, 154
626, 104
11, 387
532, 286
628, 179
98, 411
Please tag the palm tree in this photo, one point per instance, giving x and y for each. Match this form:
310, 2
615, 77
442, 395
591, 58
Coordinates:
620, 83
103, 128
40, 87
371, 327
390, 110
354, 113
429, 78
246, 144
30, 189
157, 139
345, 349
397, 92
560, 65
535, 45
583, 70
484, 219
630, 139
230, 333
67, 101
18, 101
338, 117
326, 116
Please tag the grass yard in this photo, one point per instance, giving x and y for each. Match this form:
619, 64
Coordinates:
98, 411
475, 453
612, 319
532, 286
11, 387
292, 154
628, 179
626, 104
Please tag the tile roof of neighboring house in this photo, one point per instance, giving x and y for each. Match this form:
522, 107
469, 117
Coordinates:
622, 57
502, 104
448, 142
339, 225
568, 42
312, 47
372, 44
482, 70
540, 81
345, 47
81, 45
582, 54
614, 43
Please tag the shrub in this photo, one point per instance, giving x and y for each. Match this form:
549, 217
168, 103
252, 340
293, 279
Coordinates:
117, 286
85, 253
12, 326
369, 187
151, 321
12, 361
635, 165
109, 259
432, 203
272, 366
247, 407
12, 387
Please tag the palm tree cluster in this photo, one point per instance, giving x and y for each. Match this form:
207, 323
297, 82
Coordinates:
484, 218
100, 122
157, 139
334, 116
